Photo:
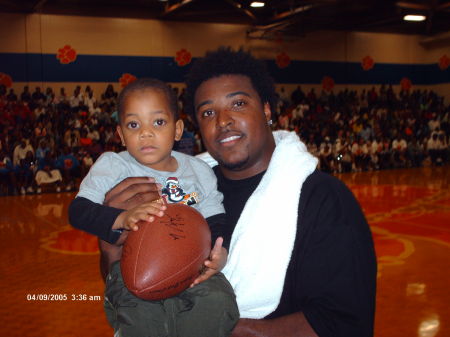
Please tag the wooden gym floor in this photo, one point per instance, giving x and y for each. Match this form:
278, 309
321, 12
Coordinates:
50, 283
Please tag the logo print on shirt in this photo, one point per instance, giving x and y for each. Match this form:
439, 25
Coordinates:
173, 193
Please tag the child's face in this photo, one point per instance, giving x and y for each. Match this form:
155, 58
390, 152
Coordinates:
148, 128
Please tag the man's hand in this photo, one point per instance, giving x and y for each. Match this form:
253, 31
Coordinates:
217, 260
126, 195
132, 192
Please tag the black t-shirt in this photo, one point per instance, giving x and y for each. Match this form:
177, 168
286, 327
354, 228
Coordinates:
331, 276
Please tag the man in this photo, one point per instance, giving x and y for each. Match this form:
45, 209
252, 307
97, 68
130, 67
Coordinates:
38, 96
11, 97
21, 150
301, 261
399, 148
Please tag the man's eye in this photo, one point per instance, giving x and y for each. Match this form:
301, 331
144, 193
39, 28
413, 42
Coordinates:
132, 125
160, 122
207, 113
238, 104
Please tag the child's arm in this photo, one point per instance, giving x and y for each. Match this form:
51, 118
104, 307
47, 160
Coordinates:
217, 260
127, 194
94, 218
219, 253
105, 222
147, 211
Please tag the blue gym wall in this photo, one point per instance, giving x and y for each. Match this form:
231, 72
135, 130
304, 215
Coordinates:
100, 68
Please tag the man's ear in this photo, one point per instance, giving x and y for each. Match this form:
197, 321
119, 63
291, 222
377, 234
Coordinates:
267, 111
179, 127
119, 131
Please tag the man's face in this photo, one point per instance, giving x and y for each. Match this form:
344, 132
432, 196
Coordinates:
233, 124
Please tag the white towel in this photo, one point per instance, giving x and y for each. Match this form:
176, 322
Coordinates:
262, 242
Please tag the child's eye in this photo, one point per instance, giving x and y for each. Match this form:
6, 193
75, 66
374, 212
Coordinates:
159, 122
132, 125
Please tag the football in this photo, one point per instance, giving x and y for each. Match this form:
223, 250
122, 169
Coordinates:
162, 258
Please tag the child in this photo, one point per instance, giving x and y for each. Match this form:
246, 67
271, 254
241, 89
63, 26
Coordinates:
148, 127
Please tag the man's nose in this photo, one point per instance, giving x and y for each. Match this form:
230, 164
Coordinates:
224, 119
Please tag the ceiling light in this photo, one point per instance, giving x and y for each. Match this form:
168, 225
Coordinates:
255, 4
414, 18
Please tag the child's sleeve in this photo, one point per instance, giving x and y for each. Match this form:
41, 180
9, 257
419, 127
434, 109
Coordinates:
211, 200
211, 205
94, 218
87, 212
106, 172
218, 227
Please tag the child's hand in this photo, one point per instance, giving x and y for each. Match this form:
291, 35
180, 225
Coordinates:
217, 260
146, 212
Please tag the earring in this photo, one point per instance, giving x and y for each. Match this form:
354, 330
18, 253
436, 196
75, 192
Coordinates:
269, 122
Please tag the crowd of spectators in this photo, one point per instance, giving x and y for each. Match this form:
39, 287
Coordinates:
48, 140
370, 130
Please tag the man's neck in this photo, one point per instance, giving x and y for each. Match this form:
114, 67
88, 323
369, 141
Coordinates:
260, 166
242, 174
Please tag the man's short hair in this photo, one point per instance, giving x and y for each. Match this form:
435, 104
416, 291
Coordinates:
226, 61
149, 83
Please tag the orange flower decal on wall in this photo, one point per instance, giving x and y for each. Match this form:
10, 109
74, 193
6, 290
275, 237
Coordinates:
6, 80
66, 54
126, 79
283, 60
444, 62
183, 57
367, 63
327, 83
405, 83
